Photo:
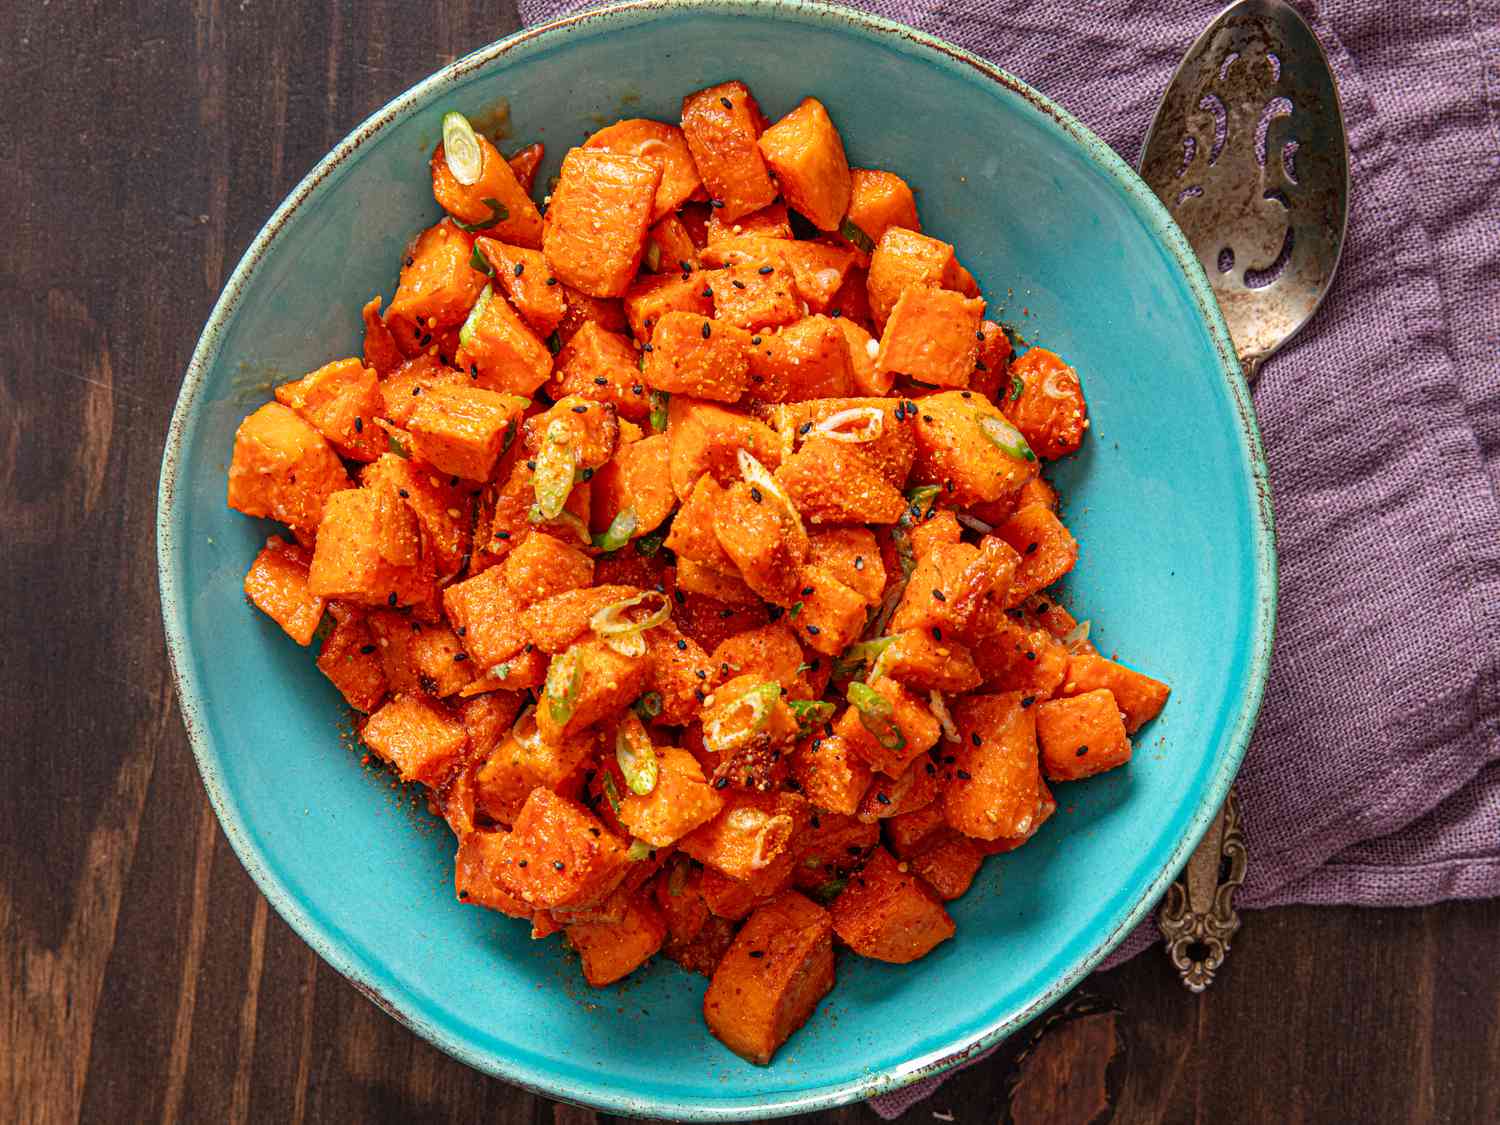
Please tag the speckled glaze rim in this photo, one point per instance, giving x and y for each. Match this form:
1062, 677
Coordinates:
857, 1086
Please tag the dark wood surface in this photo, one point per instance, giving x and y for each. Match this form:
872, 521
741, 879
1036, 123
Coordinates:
142, 976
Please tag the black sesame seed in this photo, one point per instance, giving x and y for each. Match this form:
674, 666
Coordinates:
814, 630
1042, 607
927, 417
359, 424
531, 465
901, 413
366, 649
520, 268
1081, 751
600, 381
949, 759
707, 292
859, 562
681, 646
462, 630
836, 313
580, 410
737, 283
522, 862
726, 103
964, 775
806, 590
755, 340
937, 634
883, 798
700, 673
1031, 548
965, 394
390, 599
594, 832
939, 595
559, 865
767, 269
401, 492
815, 822
975, 739
685, 265
552, 281
804, 428
931, 769
707, 330
502, 535
721, 782
637, 389
716, 203
680, 596
1027, 700
460, 657
587, 474
757, 953
755, 494
981, 336
647, 348
415, 391
1030, 655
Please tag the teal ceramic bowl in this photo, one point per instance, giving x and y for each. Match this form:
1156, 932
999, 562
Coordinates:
1168, 498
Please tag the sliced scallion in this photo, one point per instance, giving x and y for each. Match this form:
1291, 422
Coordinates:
811, 713
759, 476
1005, 437
1077, 637
636, 756
556, 462
564, 677
648, 706
1017, 385
759, 701
471, 322
461, 149
653, 255
611, 794
639, 850
857, 425
498, 214
478, 261
877, 715
944, 716
855, 234
620, 529
659, 400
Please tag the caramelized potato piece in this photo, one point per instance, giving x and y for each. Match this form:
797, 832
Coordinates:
417, 735
277, 586
1081, 735
660, 144
887, 914
283, 468
1140, 698
594, 232
806, 155
721, 125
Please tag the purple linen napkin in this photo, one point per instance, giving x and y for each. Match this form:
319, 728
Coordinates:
1374, 775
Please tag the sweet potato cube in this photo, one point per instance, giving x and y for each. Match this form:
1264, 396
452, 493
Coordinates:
722, 125
745, 297
993, 787
680, 801
611, 951
442, 666
402, 389
831, 775
652, 297
601, 366
543, 566
1081, 735
485, 614
903, 259
460, 431
283, 468
476, 873
806, 155
501, 352
676, 659
1047, 549
919, 730
863, 348
437, 289
660, 144
522, 275
749, 833
891, 453
939, 526
595, 229
607, 683
931, 337
833, 482
991, 376
692, 536
675, 248
498, 197
1139, 697
772, 978
637, 479
1029, 661
607, 312
919, 661
705, 949
851, 555
707, 438
380, 349
949, 594
348, 658
1049, 411
591, 430
762, 539
954, 446
734, 900
740, 746
833, 846
488, 719
417, 735
342, 399
443, 509
892, 796
878, 201
888, 914
277, 586
948, 864
560, 855
524, 162
556, 622
522, 761
769, 653
769, 222
369, 551
808, 359
526, 669
832, 615
909, 832
677, 888
693, 355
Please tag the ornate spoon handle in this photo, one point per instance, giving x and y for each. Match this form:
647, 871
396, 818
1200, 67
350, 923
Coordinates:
1198, 916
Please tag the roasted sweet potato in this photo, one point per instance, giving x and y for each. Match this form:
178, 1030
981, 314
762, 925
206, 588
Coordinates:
931, 337
662, 145
417, 735
993, 786
1139, 697
559, 855
342, 399
460, 431
283, 468
721, 125
1081, 735
613, 950
497, 199
522, 275
277, 586
595, 229
1047, 406
806, 155
369, 551
693, 355
888, 914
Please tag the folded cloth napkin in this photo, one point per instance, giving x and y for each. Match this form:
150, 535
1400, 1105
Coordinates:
1374, 775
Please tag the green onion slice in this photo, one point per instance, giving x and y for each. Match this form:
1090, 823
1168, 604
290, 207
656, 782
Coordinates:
1017, 385
461, 149
1076, 638
556, 463
856, 426
648, 545
1005, 437
827, 892
659, 400
759, 700
758, 475
636, 756
611, 794
397, 447
944, 716
871, 653
653, 255
478, 261
471, 322
855, 234
648, 706
620, 529
554, 343
564, 677
498, 214
811, 712
876, 714
615, 620
638, 851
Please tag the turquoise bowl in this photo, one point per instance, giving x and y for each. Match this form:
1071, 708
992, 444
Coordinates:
1168, 498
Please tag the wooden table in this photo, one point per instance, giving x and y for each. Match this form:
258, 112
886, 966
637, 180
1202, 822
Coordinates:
142, 976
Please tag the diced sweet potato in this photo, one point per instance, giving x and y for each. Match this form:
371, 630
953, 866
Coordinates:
832, 482
832, 615
954, 447
991, 376
460, 431
734, 900
903, 259
891, 453
556, 622
773, 976
749, 833
745, 297
590, 430
500, 351
948, 864
559, 855
497, 197
707, 438
611, 951
942, 569
763, 540
931, 337
403, 388
522, 275
637, 479
607, 683
721, 125
1140, 698
1049, 410
380, 350
851, 555
1081, 735
369, 551
486, 615
831, 776
1029, 661
438, 287
832, 846
543, 566
342, 399
769, 653
680, 801
940, 526
488, 719
770, 221
595, 228
348, 658
601, 366
656, 143
607, 312
442, 666
277, 586
676, 660
909, 832
893, 796
878, 201
888, 914
652, 297
476, 874
675, 248
918, 730
283, 468
1047, 549
702, 952
806, 155
863, 348
417, 735
808, 359
993, 786
524, 162
523, 761
922, 663
526, 669
692, 536
442, 509
693, 355
818, 272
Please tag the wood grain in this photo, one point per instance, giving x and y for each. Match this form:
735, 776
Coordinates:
142, 977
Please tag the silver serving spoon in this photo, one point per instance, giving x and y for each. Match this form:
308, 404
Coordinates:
1249, 154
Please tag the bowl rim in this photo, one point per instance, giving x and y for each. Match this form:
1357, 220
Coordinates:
860, 1085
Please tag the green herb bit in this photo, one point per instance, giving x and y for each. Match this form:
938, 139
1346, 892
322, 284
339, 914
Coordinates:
856, 235
498, 214
659, 400
620, 529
